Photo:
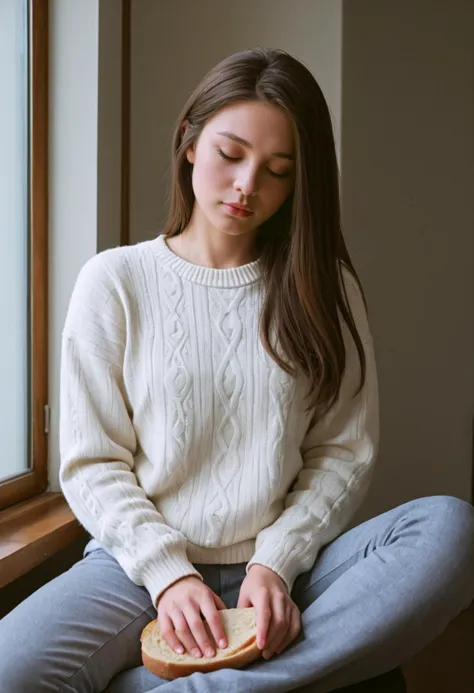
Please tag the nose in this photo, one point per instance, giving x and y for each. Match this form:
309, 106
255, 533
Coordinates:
246, 181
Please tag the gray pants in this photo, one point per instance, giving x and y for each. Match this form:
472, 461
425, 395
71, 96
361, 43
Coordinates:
376, 595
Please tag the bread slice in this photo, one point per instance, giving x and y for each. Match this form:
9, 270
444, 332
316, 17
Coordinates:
240, 626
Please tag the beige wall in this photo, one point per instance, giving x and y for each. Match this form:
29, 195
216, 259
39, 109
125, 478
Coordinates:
399, 81
175, 43
408, 202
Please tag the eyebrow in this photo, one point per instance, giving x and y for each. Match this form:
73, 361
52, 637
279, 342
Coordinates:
238, 139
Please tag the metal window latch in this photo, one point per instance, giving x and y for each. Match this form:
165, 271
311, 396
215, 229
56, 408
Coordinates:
47, 418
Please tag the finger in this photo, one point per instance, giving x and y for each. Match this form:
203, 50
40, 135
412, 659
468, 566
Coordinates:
192, 614
293, 630
214, 621
169, 634
184, 634
281, 612
218, 601
244, 602
279, 645
264, 615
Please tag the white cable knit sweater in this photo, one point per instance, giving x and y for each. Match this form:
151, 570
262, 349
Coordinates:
182, 442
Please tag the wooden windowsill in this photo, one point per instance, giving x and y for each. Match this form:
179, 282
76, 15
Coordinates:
32, 532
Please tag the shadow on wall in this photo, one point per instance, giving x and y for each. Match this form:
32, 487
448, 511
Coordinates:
408, 210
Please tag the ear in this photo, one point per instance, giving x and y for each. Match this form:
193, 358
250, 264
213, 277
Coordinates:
190, 151
190, 154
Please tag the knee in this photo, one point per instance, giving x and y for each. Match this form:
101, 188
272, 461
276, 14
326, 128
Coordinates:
450, 530
453, 513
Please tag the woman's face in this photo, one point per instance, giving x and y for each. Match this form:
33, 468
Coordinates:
244, 156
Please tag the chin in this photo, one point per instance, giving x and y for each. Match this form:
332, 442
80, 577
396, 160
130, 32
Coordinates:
236, 231
231, 227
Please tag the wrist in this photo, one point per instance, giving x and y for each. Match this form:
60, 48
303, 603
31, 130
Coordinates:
259, 568
264, 570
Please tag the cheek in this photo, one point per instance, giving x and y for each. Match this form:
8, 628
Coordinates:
277, 195
210, 174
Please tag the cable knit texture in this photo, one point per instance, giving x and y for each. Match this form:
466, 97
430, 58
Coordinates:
182, 442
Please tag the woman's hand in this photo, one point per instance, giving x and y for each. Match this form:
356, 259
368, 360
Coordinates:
179, 615
278, 617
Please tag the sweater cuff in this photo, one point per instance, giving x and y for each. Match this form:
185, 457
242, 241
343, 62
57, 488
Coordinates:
287, 564
157, 577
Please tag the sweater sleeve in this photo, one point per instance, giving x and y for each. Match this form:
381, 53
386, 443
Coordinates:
98, 442
338, 454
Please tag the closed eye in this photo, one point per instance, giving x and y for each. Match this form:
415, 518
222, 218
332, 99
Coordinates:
279, 175
226, 157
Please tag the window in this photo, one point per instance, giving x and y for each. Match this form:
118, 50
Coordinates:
23, 249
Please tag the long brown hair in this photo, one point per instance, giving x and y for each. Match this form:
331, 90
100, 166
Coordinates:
302, 249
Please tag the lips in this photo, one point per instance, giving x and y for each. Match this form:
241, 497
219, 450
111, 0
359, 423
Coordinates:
237, 210
238, 206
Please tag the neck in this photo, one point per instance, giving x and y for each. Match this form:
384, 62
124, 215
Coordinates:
212, 248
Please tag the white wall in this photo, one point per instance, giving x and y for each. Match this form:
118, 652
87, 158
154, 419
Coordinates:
408, 208
84, 151
175, 43
14, 458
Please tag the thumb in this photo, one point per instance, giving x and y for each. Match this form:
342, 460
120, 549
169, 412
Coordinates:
219, 603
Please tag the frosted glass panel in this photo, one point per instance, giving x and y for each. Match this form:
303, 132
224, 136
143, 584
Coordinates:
14, 240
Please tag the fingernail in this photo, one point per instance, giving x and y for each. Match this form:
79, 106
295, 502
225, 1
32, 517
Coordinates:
179, 650
197, 653
222, 644
209, 652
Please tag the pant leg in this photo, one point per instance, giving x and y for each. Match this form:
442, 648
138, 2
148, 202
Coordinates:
376, 596
75, 633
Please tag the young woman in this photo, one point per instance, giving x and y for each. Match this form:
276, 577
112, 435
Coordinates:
219, 427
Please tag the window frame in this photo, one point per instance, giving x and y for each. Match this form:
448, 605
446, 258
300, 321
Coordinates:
35, 480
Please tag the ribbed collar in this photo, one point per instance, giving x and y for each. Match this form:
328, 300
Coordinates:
207, 276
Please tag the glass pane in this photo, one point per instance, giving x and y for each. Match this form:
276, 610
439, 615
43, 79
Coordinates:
14, 239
